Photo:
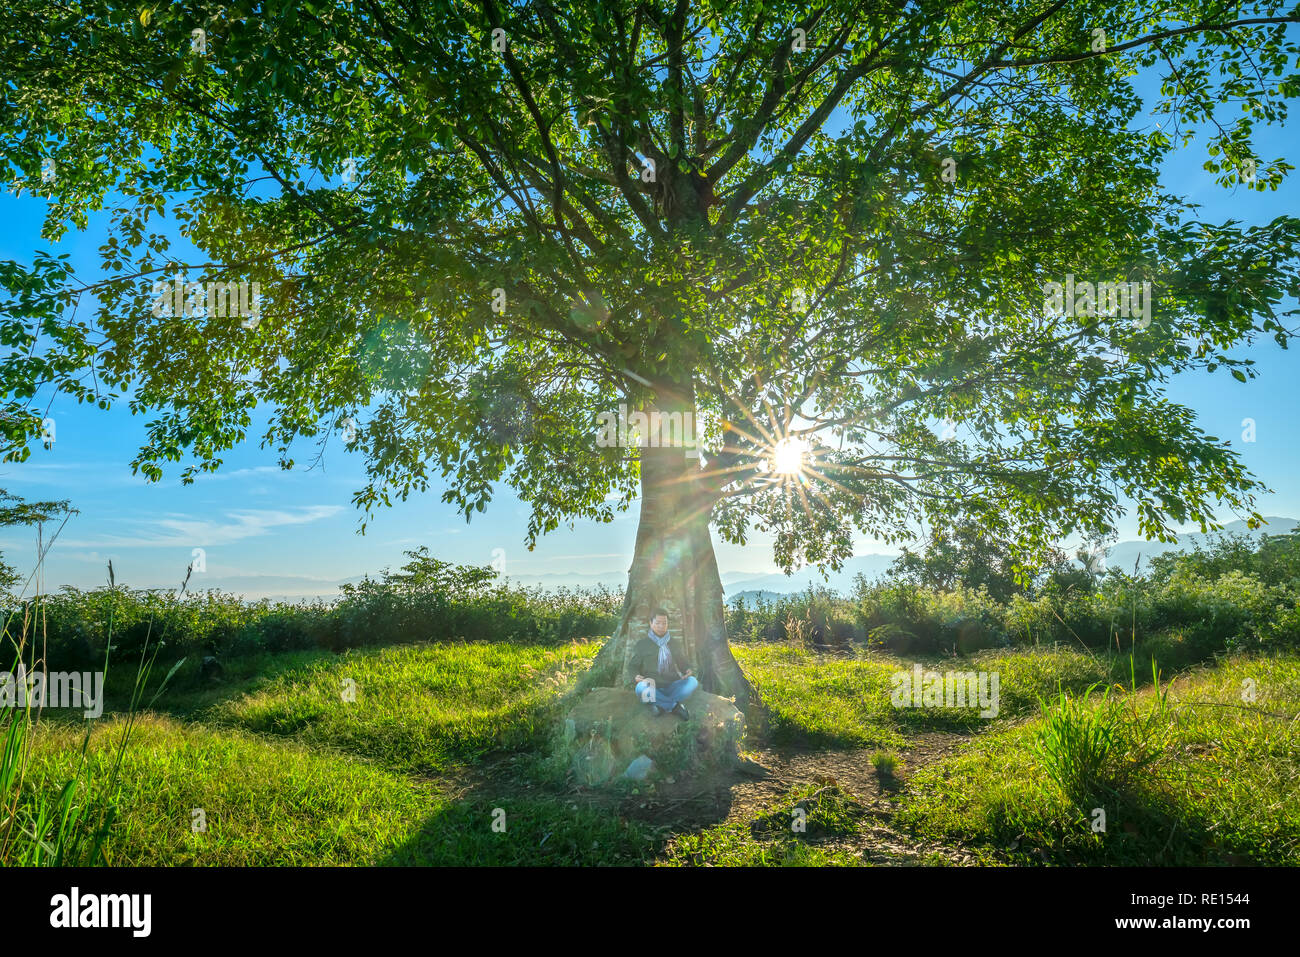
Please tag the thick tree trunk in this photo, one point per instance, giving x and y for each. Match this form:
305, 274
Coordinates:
673, 566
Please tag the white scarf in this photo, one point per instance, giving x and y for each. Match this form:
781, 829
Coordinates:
665, 656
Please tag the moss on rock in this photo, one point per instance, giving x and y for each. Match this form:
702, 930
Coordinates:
608, 728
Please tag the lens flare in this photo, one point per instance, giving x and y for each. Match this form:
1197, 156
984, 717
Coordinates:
788, 456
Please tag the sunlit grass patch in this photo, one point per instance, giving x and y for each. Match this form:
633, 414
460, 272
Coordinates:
417, 708
1027, 674
261, 802
821, 701
187, 693
846, 700
1204, 777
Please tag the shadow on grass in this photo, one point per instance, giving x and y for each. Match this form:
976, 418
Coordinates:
1142, 830
515, 812
190, 692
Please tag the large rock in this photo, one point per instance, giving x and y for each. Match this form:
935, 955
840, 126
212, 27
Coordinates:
609, 728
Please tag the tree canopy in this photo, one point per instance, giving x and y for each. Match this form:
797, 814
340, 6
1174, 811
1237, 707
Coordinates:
476, 226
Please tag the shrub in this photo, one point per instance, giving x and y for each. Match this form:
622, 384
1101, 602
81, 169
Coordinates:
909, 619
449, 603
1079, 745
1093, 749
816, 617
1187, 609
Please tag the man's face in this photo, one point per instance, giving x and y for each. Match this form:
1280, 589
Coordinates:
659, 625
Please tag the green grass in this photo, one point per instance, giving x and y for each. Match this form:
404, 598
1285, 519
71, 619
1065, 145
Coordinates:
1200, 778
779, 837
823, 702
288, 772
529, 832
270, 802
63, 815
265, 802
1028, 674
844, 701
189, 696
886, 764
420, 709
288, 767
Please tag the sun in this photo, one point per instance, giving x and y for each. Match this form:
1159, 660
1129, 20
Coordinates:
788, 456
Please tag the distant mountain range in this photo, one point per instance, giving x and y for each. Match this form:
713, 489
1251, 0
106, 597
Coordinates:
778, 583
1123, 555
290, 588
735, 583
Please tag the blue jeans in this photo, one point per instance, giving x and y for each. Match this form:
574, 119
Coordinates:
665, 699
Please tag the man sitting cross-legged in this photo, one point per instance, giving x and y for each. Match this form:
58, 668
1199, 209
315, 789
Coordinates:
659, 679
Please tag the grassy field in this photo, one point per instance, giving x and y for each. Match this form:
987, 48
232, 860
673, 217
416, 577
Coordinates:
1193, 776
434, 754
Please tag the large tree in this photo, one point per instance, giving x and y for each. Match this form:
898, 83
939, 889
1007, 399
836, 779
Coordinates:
823, 229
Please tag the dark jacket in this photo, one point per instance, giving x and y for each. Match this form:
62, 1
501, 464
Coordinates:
645, 660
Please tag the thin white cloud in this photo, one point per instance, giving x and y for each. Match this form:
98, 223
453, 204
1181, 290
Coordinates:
420, 540
257, 470
556, 558
82, 556
39, 467
70, 474
185, 532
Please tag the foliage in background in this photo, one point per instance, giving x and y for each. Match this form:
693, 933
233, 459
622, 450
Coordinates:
1229, 594
428, 600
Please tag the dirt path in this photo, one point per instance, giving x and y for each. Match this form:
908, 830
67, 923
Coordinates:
755, 790
759, 785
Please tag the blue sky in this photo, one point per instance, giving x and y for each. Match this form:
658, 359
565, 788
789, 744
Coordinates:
265, 531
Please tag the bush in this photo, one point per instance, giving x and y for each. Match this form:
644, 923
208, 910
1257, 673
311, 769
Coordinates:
816, 617
1188, 609
428, 601
910, 619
